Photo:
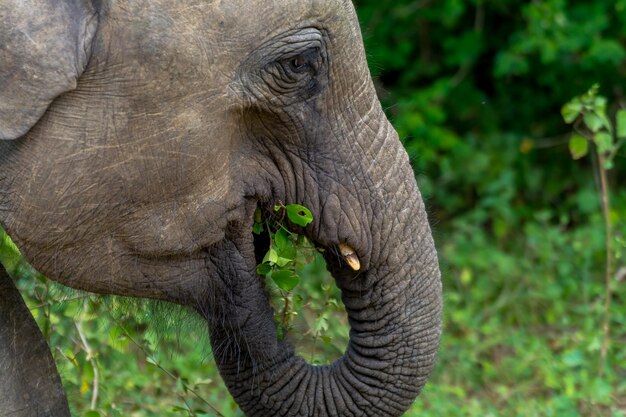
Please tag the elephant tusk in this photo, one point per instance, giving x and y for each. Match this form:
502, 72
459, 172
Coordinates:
350, 256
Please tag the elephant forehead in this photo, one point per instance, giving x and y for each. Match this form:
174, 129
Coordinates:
205, 32
158, 55
251, 23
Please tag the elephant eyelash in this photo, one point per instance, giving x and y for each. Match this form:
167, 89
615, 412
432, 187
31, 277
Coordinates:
297, 64
304, 62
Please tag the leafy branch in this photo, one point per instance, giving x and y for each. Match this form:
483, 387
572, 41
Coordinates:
287, 251
593, 128
314, 302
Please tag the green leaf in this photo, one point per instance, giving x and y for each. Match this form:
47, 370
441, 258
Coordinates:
573, 359
289, 252
181, 409
326, 339
593, 122
281, 239
263, 269
284, 245
603, 141
578, 146
257, 229
285, 280
92, 413
180, 385
621, 123
571, 110
118, 339
320, 324
601, 391
299, 215
271, 256
282, 262
88, 372
599, 105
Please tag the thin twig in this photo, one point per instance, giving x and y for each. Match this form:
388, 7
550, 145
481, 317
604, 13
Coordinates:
283, 321
616, 148
606, 210
189, 410
71, 360
64, 300
551, 142
94, 365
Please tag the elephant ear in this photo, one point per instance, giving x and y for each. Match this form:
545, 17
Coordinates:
44, 48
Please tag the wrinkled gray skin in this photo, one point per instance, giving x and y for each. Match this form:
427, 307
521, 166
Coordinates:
141, 136
30, 384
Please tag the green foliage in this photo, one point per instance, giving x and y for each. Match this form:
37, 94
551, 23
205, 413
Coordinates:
589, 112
591, 108
290, 261
287, 249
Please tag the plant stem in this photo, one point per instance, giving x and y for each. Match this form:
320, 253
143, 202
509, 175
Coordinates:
606, 210
285, 311
92, 360
64, 300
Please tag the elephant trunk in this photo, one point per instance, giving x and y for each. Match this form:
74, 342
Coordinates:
394, 310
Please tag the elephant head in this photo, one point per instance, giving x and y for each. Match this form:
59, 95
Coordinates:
140, 137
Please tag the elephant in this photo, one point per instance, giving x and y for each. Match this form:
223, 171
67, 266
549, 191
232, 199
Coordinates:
138, 139
30, 384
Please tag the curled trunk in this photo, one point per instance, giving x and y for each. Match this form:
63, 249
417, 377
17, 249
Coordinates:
394, 311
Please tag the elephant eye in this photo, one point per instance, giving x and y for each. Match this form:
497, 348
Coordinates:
287, 69
298, 64
307, 61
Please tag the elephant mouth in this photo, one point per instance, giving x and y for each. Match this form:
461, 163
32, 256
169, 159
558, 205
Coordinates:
339, 256
393, 311
244, 318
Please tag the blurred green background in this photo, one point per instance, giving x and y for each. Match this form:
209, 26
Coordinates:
475, 89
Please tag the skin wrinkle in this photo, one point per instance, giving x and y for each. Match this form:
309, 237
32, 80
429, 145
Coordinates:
354, 129
394, 222
294, 169
353, 387
348, 400
338, 175
276, 94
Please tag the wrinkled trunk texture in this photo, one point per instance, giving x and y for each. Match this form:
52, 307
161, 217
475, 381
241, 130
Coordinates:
29, 383
394, 312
